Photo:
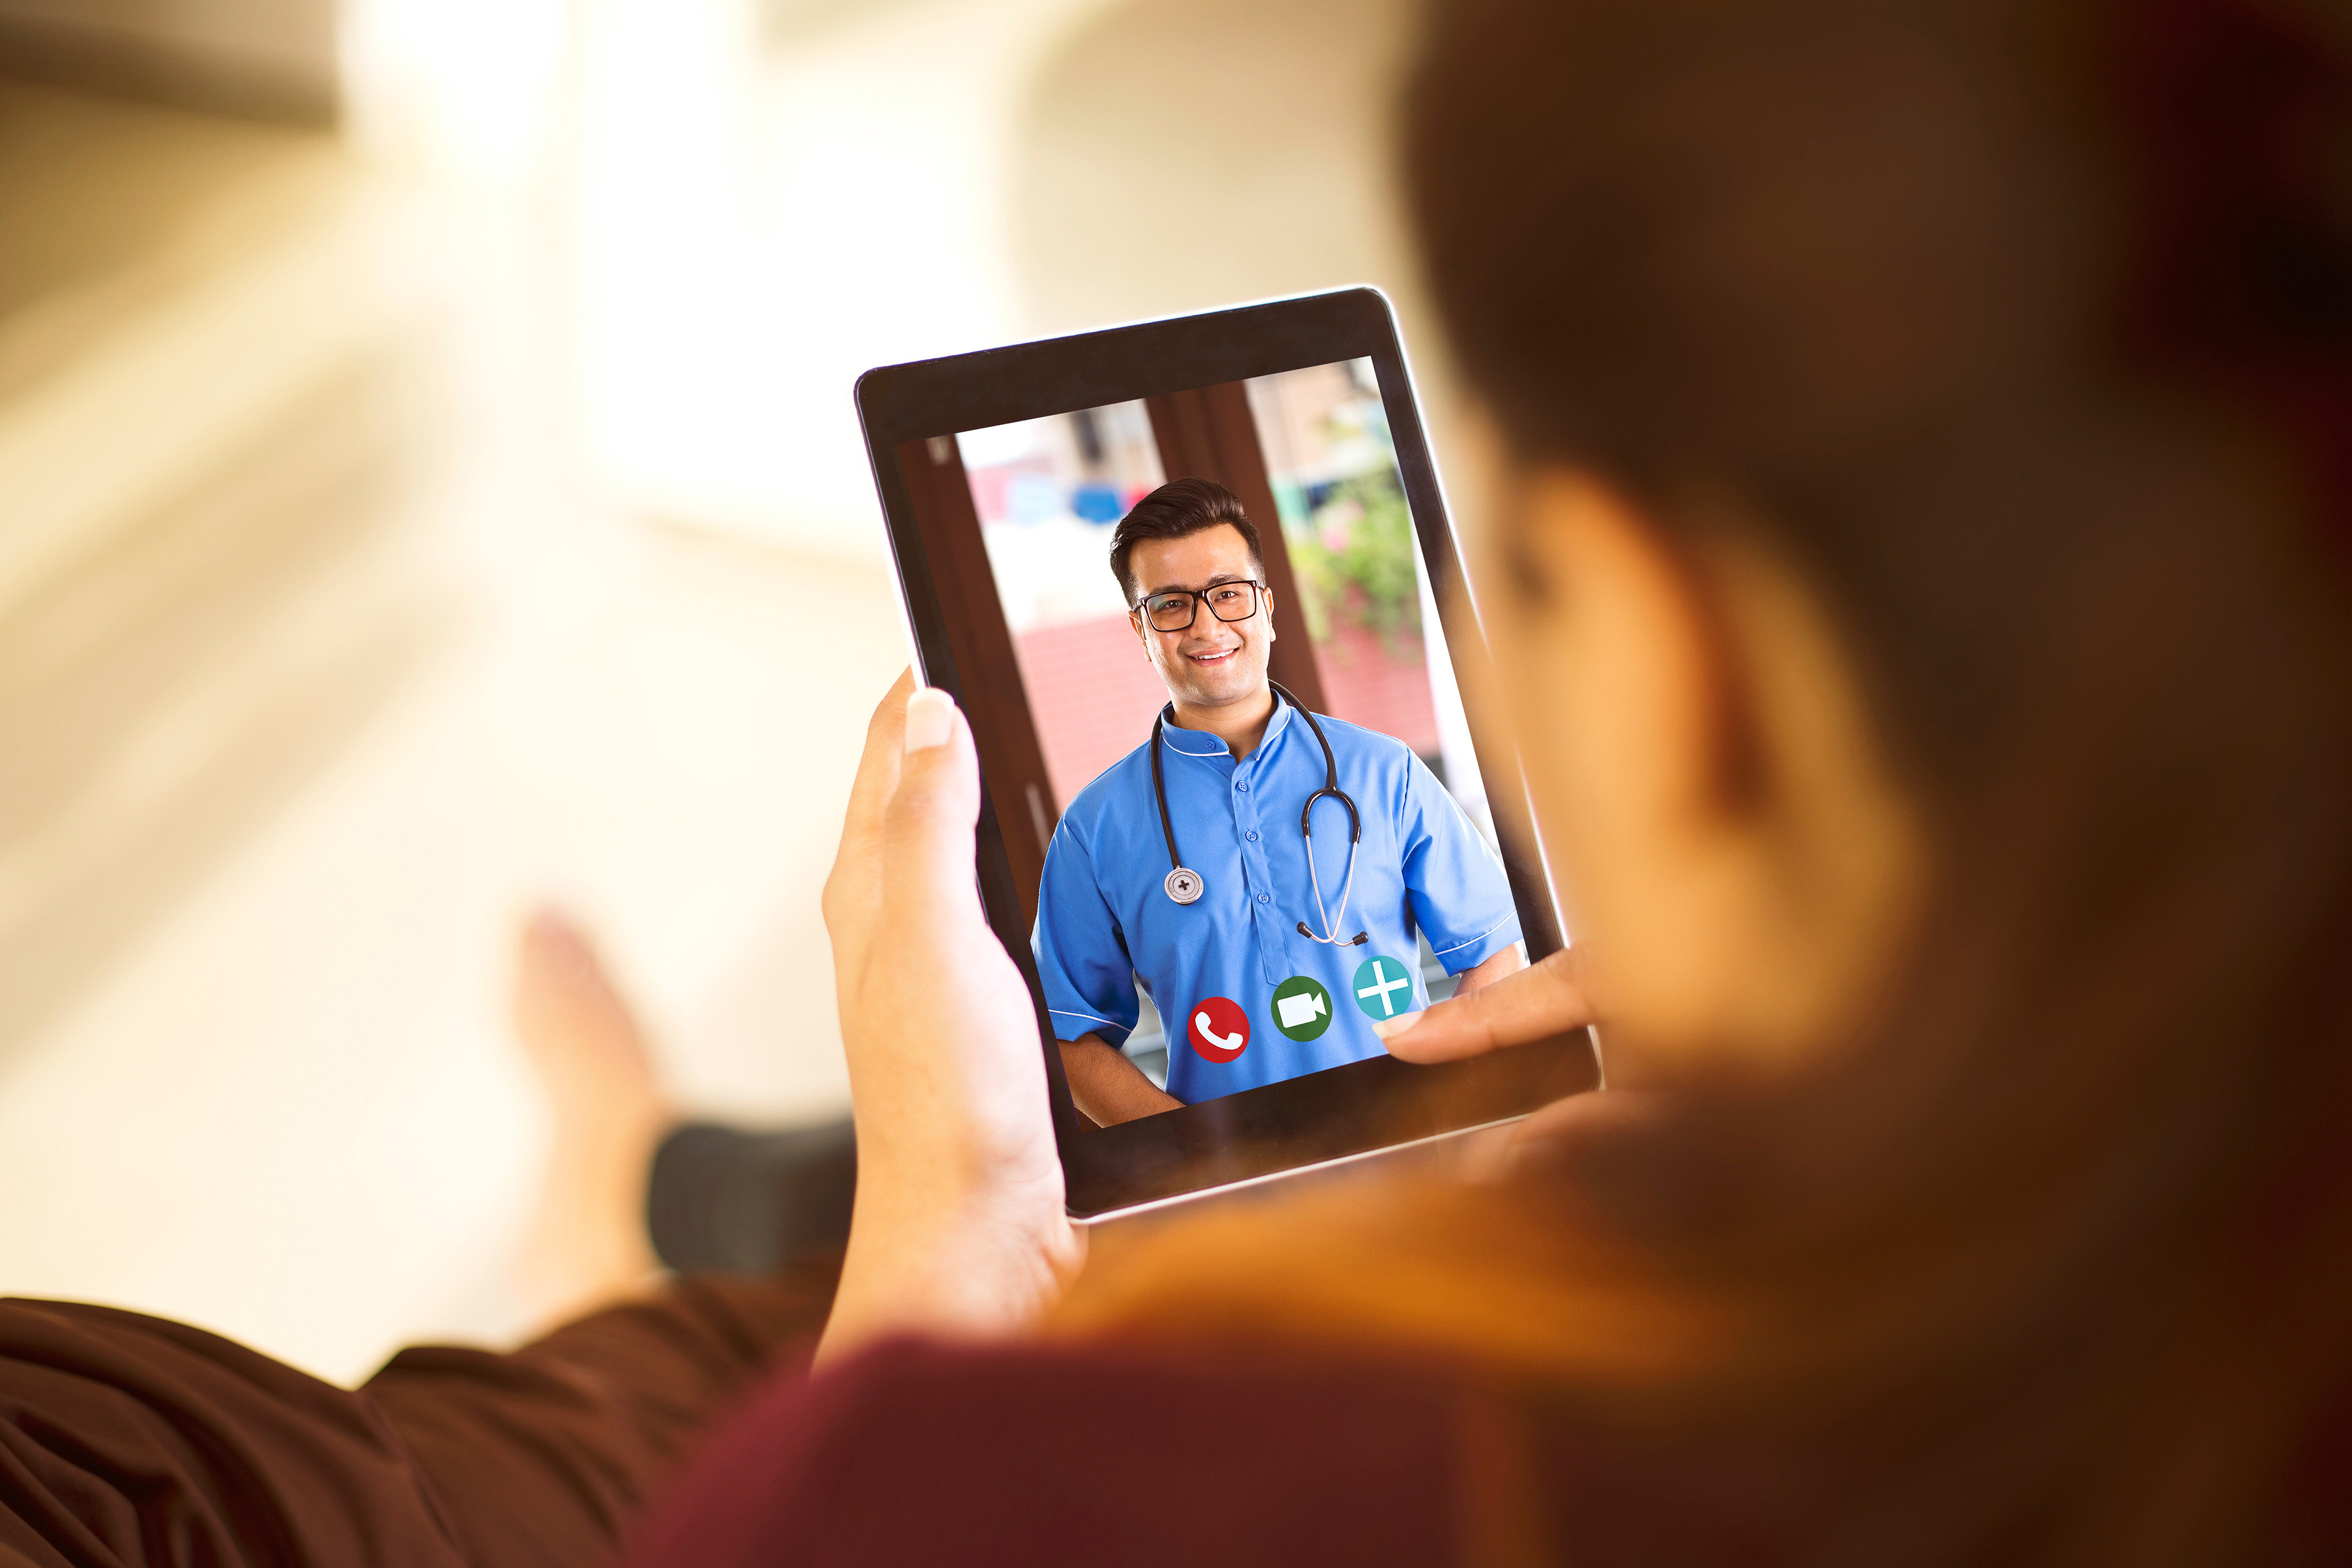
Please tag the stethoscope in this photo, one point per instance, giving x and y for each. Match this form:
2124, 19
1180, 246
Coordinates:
1184, 885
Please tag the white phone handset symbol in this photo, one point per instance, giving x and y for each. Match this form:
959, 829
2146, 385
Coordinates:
1207, 1027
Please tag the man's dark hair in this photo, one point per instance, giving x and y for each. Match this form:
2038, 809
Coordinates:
1178, 509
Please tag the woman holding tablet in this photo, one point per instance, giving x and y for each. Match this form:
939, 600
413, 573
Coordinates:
1918, 573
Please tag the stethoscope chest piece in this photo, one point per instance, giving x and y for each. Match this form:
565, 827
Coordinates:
1184, 885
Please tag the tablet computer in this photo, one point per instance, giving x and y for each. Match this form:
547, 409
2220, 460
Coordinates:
1211, 920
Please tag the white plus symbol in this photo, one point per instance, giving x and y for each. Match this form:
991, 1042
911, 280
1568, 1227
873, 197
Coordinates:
1380, 988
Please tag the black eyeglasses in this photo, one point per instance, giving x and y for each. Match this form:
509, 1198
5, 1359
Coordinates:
1177, 609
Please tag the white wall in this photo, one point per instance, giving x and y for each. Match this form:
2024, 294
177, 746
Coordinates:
752, 229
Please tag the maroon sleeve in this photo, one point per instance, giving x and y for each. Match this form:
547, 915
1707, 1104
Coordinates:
915, 1453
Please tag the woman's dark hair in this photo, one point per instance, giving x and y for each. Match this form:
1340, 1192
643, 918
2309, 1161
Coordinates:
2024, 331
1176, 511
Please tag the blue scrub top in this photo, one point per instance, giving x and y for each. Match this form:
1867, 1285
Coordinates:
1104, 922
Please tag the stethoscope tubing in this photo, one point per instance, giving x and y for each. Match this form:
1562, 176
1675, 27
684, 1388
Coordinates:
1305, 823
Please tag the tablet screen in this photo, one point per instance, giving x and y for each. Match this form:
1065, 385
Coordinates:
1274, 951
1236, 814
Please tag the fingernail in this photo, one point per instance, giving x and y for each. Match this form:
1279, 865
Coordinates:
1390, 1029
930, 718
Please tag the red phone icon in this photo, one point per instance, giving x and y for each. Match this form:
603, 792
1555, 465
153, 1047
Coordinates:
1219, 1030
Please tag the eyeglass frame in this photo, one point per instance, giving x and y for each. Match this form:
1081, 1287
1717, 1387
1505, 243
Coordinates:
1257, 602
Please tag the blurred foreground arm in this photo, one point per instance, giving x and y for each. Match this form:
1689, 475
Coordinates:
959, 1228
1107, 1086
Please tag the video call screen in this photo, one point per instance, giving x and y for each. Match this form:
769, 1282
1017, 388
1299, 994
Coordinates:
1220, 947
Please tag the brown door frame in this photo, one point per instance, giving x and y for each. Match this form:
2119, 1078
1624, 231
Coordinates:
1012, 760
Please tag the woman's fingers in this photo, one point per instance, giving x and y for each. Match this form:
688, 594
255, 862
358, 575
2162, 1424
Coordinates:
854, 891
927, 827
1533, 1005
878, 765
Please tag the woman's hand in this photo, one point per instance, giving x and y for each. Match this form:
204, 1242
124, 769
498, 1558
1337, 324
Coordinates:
1532, 1004
1536, 1003
959, 1226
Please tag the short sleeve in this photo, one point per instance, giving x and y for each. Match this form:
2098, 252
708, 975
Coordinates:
1082, 958
1460, 897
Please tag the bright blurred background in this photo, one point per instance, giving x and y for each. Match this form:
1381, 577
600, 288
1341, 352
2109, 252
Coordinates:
428, 484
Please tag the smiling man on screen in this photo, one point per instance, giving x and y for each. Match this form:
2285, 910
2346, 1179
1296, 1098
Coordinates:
1184, 865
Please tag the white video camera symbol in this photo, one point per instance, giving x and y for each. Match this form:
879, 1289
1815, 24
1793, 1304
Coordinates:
1301, 1010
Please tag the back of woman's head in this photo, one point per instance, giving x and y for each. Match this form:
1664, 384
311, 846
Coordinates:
2023, 334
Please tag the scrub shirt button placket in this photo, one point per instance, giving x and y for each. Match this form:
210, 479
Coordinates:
1272, 958
1254, 861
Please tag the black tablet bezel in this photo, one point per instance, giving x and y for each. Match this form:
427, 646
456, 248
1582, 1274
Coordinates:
1324, 1116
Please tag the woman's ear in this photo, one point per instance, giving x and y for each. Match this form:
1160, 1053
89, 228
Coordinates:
1702, 767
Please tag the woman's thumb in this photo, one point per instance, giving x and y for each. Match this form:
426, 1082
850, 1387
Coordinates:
1538, 1002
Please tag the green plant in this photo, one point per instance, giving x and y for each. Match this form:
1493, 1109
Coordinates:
1355, 561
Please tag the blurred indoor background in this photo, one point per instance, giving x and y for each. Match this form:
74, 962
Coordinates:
428, 484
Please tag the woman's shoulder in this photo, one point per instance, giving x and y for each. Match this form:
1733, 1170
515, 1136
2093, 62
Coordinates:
1042, 1454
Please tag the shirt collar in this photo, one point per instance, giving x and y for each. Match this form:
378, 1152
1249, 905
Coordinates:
1200, 743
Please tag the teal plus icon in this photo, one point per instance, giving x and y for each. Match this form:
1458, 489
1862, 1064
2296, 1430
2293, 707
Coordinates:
1383, 987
